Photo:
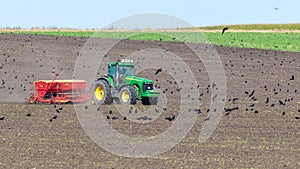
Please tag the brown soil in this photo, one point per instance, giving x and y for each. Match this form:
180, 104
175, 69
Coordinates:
257, 135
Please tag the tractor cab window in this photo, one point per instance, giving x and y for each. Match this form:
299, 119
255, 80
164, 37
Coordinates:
112, 71
125, 71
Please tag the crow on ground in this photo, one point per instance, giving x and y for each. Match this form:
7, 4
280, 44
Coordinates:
198, 111
144, 118
234, 99
267, 100
292, 78
229, 110
252, 93
170, 118
114, 118
281, 102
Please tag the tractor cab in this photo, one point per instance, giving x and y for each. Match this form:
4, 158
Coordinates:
117, 71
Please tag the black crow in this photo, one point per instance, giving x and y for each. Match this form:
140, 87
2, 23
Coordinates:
281, 102
198, 111
229, 110
252, 93
224, 29
254, 98
170, 118
267, 100
144, 118
158, 71
235, 99
226, 114
114, 118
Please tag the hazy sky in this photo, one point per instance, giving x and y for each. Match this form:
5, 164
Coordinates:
98, 13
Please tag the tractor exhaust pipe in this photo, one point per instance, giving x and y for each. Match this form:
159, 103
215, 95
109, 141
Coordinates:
117, 74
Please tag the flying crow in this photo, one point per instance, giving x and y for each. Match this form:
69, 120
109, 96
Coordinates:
224, 29
158, 71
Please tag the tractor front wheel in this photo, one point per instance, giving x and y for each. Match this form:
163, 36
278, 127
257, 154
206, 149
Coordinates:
127, 95
149, 100
102, 92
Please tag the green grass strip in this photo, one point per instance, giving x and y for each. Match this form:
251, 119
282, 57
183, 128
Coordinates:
271, 41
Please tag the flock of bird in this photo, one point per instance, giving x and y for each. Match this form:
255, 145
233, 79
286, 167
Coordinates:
252, 94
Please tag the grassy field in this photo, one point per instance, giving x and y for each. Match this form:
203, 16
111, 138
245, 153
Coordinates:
251, 27
285, 41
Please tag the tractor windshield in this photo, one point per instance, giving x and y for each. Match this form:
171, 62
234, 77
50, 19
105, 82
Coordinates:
125, 71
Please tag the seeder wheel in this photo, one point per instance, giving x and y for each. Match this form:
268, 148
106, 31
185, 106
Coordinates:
31, 100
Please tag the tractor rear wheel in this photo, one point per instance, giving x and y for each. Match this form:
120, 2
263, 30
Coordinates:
102, 92
127, 95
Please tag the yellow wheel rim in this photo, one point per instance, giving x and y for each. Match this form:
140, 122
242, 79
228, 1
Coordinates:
125, 96
99, 93
31, 100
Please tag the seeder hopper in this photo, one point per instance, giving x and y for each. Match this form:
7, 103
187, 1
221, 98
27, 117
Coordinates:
58, 91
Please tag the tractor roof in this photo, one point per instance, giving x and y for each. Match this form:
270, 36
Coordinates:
121, 63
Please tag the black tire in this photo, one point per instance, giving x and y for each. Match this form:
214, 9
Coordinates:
127, 95
149, 100
102, 92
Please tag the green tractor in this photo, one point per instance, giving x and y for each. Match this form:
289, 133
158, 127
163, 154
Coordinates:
121, 85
